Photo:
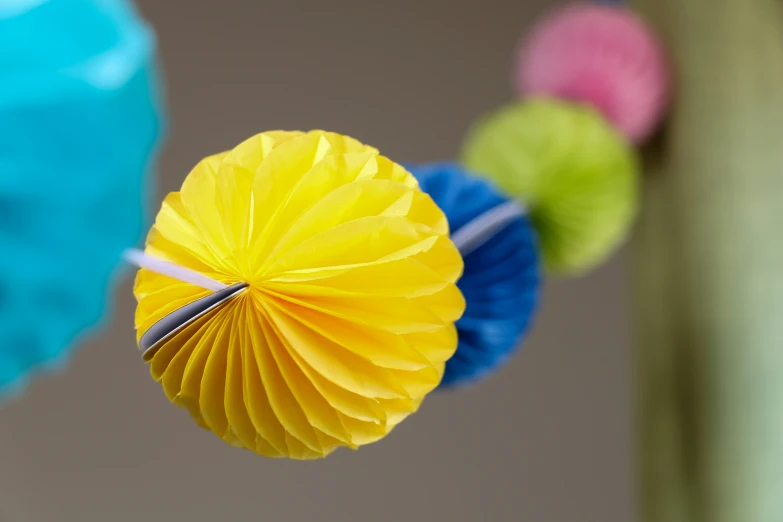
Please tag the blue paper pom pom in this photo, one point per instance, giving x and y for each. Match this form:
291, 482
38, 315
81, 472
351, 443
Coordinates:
80, 119
501, 278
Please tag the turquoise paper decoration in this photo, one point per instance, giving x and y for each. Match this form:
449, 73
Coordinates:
80, 121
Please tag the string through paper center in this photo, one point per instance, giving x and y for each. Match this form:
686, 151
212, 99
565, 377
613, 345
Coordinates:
485, 226
141, 259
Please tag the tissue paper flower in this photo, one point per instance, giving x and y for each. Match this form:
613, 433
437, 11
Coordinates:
600, 54
346, 319
501, 280
577, 176
79, 123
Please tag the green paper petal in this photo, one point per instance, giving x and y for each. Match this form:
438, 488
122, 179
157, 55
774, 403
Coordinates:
576, 174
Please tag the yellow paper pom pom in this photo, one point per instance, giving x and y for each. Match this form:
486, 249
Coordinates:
347, 318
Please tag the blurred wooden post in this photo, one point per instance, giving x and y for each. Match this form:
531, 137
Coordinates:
708, 270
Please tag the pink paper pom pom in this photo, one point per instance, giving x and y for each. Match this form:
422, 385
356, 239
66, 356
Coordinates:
603, 55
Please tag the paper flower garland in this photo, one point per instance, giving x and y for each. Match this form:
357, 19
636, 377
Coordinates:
501, 279
79, 122
576, 174
338, 314
599, 54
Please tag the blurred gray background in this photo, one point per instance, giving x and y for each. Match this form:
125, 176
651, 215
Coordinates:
548, 439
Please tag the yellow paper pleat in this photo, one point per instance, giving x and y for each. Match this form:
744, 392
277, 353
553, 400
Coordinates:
315, 407
236, 410
371, 280
399, 409
212, 385
437, 346
334, 361
368, 240
363, 198
173, 225
447, 304
161, 358
199, 197
255, 394
281, 399
365, 432
400, 315
342, 400
160, 303
162, 248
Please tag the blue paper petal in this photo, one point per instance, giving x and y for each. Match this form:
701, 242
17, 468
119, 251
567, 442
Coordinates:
501, 278
80, 120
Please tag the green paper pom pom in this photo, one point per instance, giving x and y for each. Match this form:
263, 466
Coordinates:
573, 171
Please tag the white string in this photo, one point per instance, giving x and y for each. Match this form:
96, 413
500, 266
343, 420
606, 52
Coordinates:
485, 226
166, 268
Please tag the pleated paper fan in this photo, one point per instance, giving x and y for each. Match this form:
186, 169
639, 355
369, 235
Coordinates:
575, 173
501, 280
80, 121
338, 301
